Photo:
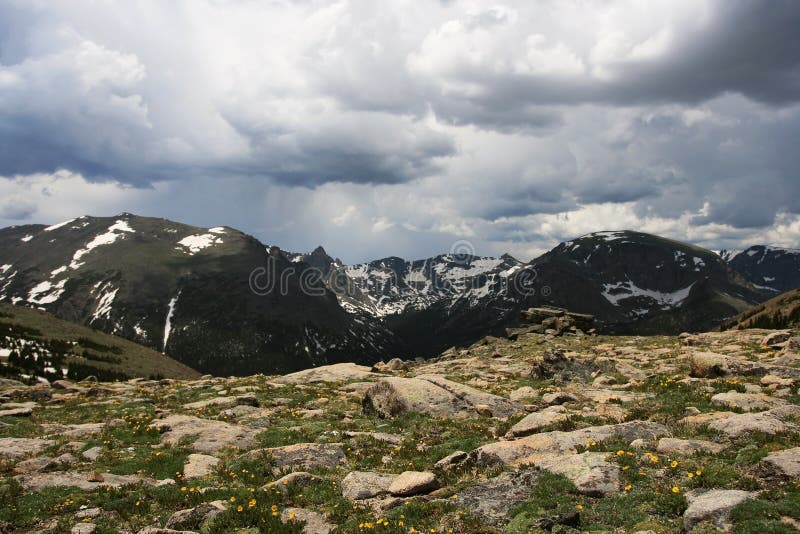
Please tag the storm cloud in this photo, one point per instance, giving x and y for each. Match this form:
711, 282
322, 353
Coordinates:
402, 127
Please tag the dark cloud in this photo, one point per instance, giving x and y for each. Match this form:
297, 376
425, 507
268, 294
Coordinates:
508, 124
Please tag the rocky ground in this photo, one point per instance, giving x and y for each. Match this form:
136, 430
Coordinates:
539, 434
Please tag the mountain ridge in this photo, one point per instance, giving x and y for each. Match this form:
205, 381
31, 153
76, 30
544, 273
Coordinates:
189, 291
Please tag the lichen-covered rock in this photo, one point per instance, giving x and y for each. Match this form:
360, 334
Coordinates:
785, 462
302, 456
211, 436
591, 473
360, 485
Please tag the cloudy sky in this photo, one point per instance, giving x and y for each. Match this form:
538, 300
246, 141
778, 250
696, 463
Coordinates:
399, 127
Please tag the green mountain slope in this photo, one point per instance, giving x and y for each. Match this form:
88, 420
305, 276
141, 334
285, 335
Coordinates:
37, 343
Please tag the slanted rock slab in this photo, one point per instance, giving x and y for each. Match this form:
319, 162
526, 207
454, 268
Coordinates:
21, 447
785, 462
749, 402
413, 483
713, 505
529, 449
493, 499
537, 420
339, 372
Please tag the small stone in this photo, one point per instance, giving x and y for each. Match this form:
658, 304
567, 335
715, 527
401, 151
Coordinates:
83, 528
88, 513
483, 410
558, 397
296, 479
92, 454
451, 460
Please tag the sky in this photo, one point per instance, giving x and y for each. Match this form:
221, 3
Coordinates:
407, 127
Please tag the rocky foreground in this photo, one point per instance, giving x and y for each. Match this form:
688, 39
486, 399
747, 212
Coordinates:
540, 434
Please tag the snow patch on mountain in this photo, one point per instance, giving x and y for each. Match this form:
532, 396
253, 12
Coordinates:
56, 272
168, 322
197, 242
4, 268
619, 291
114, 232
104, 303
59, 225
46, 292
26, 238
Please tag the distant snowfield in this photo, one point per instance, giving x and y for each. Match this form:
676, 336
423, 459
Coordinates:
619, 291
197, 242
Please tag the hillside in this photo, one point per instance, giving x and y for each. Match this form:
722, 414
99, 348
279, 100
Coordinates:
782, 311
572, 434
40, 344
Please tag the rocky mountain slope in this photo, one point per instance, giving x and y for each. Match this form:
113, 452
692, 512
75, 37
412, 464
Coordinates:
37, 345
697, 433
430, 304
636, 282
775, 269
185, 291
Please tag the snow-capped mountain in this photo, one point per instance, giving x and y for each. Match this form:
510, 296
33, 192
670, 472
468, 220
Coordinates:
185, 291
771, 268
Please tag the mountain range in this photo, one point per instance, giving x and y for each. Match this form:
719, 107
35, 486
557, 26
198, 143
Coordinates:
222, 302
